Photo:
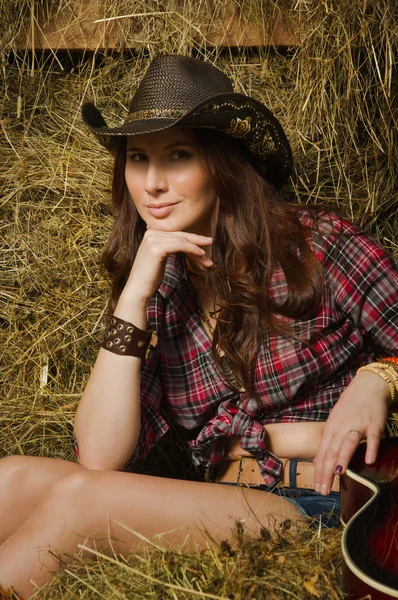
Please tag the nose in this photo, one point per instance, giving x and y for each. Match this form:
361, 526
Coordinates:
156, 180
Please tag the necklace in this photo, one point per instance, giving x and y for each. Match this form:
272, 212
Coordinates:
202, 313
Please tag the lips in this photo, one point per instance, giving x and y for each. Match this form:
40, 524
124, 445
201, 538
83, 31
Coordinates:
162, 209
161, 204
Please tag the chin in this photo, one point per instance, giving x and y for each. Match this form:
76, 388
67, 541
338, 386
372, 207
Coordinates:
159, 225
169, 225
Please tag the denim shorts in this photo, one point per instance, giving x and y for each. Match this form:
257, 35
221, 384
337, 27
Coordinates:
324, 510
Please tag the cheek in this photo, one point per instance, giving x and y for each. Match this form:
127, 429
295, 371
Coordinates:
193, 183
127, 179
133, 184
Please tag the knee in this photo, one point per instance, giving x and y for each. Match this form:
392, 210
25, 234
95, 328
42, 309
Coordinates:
11, 469
74, 498
71, 490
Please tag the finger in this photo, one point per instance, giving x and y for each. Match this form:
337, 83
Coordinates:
163, 246
202, 262
194, 238
319, 459
200, 240
349, 445
372, 445
328, 466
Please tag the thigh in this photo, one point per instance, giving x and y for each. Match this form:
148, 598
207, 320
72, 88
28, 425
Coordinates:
25, 482
34, 474
128, 507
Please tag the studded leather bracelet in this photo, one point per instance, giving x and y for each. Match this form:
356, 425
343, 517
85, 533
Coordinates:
122, 337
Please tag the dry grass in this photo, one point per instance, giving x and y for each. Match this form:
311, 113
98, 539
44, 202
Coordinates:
335, 96
293, 566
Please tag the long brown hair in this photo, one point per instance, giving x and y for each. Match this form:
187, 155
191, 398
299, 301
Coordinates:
256, 231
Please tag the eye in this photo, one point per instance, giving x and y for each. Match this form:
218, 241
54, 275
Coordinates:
137, 157
180, 154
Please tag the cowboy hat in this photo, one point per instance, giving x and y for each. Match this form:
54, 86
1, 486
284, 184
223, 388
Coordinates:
183, 91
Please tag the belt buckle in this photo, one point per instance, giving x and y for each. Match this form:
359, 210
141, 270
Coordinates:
240, 471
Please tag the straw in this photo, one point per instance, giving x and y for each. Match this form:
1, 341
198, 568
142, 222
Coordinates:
335, 95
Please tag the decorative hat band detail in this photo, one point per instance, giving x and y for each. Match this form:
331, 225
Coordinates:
239, 127
155, 113
265, 147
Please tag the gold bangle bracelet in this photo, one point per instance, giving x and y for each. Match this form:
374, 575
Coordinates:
391, 364
384, 376
391, 372
394, 376
381, 373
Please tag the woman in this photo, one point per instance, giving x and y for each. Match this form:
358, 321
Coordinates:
264, 313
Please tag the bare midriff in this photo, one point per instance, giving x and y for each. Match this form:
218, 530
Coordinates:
286, 440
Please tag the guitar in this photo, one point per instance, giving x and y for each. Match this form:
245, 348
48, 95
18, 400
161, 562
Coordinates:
369, 511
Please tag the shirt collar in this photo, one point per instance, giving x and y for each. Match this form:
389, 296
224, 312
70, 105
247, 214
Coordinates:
174, 273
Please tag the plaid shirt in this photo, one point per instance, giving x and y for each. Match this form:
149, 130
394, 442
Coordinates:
356, 321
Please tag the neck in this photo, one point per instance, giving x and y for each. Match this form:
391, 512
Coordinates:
205, 293
203, 287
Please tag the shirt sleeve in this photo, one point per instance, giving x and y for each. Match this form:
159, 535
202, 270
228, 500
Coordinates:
363, 278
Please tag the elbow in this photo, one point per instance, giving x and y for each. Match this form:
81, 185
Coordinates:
99, 464
97, 467
93, 465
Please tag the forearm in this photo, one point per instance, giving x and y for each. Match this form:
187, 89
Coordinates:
107, 420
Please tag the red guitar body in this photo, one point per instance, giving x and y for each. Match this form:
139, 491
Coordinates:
369, 511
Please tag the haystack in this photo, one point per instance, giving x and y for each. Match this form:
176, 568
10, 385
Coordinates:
334, 91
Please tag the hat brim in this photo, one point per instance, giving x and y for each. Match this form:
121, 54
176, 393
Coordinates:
239, 116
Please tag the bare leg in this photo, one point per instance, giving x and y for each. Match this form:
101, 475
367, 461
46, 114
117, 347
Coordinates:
96, 504
25, 482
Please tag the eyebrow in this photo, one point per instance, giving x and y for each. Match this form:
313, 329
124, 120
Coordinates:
169, 147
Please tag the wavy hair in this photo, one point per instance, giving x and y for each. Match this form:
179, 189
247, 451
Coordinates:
256, 232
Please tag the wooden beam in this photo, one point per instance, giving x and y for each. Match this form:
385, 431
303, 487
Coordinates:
79, 26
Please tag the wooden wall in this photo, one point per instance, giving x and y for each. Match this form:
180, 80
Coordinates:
78, 26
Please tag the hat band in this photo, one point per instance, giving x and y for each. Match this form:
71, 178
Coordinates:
238, 127
155, 113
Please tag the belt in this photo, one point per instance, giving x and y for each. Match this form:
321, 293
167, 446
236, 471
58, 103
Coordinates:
245, 471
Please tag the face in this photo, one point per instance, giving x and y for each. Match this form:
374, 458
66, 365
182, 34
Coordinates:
166, 178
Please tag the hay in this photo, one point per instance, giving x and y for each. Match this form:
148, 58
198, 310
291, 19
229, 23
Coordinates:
294, 566
334, 95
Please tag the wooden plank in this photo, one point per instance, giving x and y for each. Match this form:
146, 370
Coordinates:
75, 28
231, 32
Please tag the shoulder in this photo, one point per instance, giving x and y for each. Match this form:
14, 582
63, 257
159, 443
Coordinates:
326, 222
335, 236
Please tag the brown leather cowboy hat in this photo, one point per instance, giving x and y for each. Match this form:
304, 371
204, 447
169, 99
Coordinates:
188, 92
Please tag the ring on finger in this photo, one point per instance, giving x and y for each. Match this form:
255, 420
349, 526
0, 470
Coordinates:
360, 433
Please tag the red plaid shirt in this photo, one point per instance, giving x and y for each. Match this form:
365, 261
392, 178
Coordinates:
356, 321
